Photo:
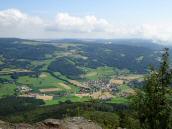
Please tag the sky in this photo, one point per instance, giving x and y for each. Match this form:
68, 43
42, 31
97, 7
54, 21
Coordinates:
150, 19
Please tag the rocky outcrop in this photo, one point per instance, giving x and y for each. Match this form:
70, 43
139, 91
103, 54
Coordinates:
68, 123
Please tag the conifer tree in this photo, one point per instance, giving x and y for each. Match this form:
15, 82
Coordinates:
152, 104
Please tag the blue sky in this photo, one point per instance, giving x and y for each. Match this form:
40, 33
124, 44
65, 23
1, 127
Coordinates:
120, 15
129, 11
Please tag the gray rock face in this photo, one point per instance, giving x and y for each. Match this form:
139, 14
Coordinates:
79, 123
68, 123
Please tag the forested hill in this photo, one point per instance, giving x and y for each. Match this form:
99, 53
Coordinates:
58, 55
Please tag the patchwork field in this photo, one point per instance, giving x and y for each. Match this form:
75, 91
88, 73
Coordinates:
44, 97
7, 89
64, 86
49, 90
47, 84
45, 80
95, 74
117, 81
69, 70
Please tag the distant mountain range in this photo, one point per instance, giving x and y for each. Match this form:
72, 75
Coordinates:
132, 54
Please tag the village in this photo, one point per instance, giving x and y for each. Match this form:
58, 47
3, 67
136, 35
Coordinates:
97, 89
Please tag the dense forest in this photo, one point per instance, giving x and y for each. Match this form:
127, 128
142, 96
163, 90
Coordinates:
18, 53
149, 108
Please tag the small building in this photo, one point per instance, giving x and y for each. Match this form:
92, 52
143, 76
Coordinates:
44, 97
23, 89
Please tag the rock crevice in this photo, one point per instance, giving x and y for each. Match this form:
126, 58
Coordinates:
68, 123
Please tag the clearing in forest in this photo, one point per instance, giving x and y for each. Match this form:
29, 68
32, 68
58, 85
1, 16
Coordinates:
64, 86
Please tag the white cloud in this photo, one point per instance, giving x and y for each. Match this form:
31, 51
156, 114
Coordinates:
14, 23
65, 22
158, 31
13, 16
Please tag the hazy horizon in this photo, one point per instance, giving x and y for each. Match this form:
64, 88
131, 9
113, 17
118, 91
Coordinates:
86, 19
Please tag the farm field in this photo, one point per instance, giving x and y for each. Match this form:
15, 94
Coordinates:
85, 64
47, 84
69, 71
99, 72
7, 90
71, 98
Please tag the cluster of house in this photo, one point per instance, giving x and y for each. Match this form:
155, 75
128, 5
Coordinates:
25, 91
98, 85
89, 87
111, 86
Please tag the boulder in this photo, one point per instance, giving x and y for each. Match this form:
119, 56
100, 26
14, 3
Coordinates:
79, 123
68, 123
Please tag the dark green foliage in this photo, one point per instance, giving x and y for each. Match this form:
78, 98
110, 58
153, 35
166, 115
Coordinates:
60, 111
18, 55
15, 75
3, 80
14, 104
110, 55
65, 67
14, 49
106, 119
152, 103
120, 54
128, 120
